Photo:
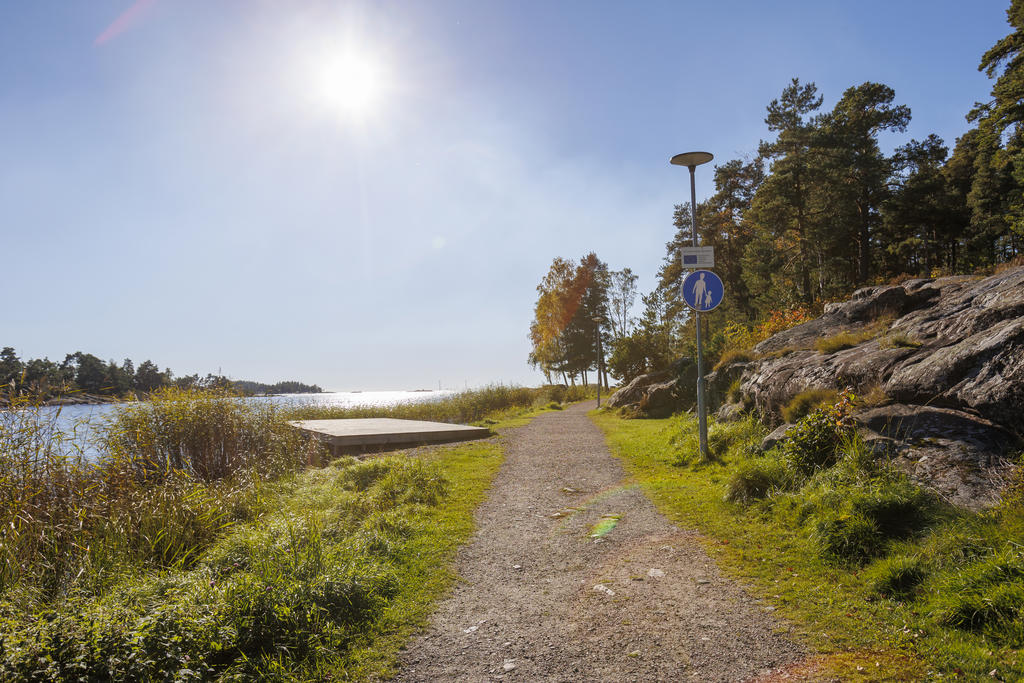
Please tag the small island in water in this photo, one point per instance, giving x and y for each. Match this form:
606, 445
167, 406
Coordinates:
84, 378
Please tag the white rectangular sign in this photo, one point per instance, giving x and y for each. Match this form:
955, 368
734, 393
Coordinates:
695, 258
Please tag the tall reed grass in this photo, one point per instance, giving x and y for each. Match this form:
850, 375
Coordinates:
174, 472
174, 556
474, 405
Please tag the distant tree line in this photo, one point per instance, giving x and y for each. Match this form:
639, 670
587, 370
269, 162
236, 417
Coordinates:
250, 388
85, 373
817, 212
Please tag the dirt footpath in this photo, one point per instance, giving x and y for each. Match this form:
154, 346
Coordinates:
542, 599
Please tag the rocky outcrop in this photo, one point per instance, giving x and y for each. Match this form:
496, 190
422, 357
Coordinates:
946, 354
960, 456
954, 342
941, 359
659, 394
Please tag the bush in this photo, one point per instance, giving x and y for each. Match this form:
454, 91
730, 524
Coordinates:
806, 401
758, 478
851, 538
813, 443
897, 577
288, 589
174, 473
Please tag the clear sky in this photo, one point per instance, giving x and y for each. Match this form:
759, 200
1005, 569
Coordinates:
365, 195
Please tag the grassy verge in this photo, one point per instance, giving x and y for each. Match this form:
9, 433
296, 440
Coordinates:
199, 548
326, 584
883, 581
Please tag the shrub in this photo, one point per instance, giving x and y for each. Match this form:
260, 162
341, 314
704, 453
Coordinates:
897, 577
813, 442
208, 434
554, 405
758, 478
851, 538
556, 392
291, 588
806, 401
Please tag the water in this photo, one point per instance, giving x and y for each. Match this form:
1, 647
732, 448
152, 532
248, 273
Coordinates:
78, 423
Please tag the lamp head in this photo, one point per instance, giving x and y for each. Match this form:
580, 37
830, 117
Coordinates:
691, 158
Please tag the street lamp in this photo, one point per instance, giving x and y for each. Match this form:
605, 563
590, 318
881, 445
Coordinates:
600, 356
692, 160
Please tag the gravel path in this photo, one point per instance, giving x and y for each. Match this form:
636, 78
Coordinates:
540, 599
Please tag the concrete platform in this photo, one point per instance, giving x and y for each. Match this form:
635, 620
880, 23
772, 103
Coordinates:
379, 433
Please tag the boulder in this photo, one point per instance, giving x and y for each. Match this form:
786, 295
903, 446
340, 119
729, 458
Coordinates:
779, 434
633, 392
662, 399
660, 394
730, 412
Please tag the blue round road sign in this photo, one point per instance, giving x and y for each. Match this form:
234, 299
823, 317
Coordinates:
703, 290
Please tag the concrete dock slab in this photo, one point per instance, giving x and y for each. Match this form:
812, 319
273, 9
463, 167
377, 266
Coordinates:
378, 432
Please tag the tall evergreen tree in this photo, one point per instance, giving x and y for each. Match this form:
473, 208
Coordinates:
854, 159
778, 264
925, 216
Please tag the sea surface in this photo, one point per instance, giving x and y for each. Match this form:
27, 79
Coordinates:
74, 427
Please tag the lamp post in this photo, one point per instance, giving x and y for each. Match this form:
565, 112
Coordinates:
692, 160
600, 356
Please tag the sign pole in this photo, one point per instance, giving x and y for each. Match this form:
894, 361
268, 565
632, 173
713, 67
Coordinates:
702, 297
702, 410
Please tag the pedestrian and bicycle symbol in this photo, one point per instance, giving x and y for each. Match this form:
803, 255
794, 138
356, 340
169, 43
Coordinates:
703, 290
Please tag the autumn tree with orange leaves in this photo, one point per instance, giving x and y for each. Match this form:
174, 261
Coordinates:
564, 331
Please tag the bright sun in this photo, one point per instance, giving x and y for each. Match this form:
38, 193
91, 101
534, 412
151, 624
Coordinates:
351, 84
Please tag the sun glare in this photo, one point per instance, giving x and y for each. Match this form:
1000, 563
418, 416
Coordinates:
352, 84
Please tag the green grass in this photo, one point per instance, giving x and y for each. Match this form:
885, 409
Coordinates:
201, 548
868, 568
332, 578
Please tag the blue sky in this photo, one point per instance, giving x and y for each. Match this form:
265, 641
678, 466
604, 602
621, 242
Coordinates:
178, 183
